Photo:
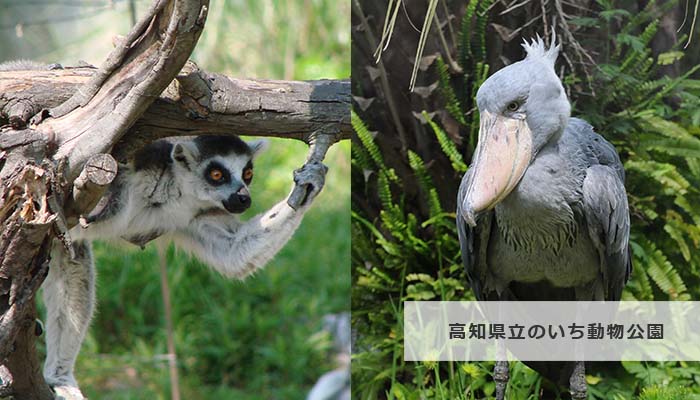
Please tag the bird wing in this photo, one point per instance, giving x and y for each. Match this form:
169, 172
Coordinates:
607, 217
473, 241
605, 208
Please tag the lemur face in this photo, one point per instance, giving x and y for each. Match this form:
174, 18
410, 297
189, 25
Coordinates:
229, 179
218, 170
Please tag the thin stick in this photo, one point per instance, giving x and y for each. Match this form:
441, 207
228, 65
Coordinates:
165, 292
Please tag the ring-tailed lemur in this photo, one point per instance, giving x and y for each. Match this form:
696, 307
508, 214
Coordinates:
185, 189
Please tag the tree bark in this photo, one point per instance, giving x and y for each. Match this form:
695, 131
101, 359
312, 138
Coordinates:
197, 102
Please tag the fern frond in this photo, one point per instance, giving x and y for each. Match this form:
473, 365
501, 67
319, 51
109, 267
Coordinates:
639, 282
418, 167
360, 157
447, 146
649, 119
426, 183
649, 33
663, 273
672, 182
482, 19
452, 105
675, 229
689, 147
434, 203
465, 43
384, 191
367, 140
668, 87
693, 209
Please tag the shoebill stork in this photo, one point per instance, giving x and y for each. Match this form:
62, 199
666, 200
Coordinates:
542, 212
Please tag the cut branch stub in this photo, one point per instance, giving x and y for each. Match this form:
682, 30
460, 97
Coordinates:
99, 171
19, 113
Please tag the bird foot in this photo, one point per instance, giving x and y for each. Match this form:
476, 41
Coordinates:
501, 376
577, 382
579, 394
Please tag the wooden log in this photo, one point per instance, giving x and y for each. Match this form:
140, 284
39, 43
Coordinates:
199, 102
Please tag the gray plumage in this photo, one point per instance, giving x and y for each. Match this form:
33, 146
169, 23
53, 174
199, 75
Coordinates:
556, 228
566, 223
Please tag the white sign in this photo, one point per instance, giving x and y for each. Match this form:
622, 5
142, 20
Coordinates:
552, 331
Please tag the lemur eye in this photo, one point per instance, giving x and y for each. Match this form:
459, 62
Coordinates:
216, 174
248, 174
513, 106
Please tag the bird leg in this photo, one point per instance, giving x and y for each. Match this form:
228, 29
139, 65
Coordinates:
500, 370
501, 375
577, 382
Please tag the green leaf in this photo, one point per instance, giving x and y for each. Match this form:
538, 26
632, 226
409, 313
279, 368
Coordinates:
448, 147
669, 57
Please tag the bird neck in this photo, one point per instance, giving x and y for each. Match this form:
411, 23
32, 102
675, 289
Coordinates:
540, 211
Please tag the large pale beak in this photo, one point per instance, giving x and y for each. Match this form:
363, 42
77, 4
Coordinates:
502, 155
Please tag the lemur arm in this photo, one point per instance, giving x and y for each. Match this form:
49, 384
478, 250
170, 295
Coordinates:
238, 249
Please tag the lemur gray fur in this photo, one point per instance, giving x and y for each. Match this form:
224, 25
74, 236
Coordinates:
27, 65
188, 190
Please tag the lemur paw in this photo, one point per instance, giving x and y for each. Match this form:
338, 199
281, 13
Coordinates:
309, 181
68, 393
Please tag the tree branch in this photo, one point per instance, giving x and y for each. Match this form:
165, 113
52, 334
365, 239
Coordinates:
199, 102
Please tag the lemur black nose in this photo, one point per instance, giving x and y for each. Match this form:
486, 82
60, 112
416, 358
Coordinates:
243, 199
237, 202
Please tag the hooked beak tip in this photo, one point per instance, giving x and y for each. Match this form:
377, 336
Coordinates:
469, 215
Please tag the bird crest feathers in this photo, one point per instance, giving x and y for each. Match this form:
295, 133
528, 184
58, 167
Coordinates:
538, 50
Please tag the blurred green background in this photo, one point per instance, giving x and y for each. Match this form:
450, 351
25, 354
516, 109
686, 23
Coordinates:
245, 340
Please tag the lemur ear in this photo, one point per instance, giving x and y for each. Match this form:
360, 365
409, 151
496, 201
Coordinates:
184, 155
258, 146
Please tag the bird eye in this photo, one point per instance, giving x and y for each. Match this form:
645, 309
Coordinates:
248, 174
216, 174
513, 106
